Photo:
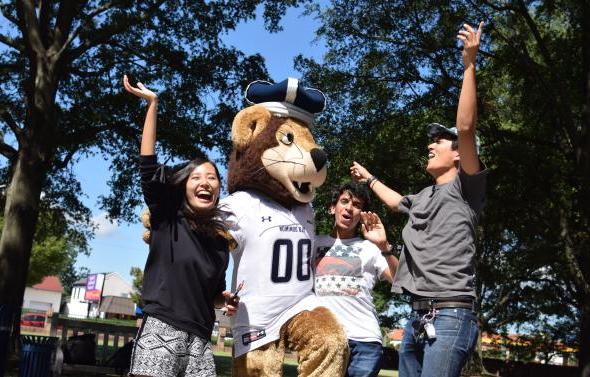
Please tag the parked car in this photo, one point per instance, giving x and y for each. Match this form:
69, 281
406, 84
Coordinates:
36, 320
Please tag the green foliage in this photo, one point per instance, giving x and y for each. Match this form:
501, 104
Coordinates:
56, 246
392, 67
61, 100
69, 276
137, 275
173, 47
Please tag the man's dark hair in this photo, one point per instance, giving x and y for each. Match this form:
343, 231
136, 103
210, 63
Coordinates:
356, 190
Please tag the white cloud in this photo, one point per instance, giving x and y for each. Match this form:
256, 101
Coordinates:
104, 226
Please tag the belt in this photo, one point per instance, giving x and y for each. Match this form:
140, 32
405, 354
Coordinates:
440, 303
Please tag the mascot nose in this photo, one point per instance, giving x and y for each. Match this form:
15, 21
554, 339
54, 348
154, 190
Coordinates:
319, 158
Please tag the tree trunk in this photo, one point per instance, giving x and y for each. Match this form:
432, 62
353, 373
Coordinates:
20, 216
474, 365
584, 352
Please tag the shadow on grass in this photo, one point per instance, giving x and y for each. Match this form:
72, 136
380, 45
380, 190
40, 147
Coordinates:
223, 364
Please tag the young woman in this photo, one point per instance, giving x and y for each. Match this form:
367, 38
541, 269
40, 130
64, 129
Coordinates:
184, 276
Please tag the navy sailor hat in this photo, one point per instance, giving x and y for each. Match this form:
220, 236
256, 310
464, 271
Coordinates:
287, 99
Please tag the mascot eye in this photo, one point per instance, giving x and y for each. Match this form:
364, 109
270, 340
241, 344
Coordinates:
287, 138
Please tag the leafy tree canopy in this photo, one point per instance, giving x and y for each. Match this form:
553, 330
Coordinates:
61, 68
392, 67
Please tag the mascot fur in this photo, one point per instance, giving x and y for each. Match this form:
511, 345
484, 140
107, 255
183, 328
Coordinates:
274, 169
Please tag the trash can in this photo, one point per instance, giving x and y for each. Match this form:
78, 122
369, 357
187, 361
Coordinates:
7, 313
36, 355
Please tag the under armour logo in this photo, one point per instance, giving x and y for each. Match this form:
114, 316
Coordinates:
267, 218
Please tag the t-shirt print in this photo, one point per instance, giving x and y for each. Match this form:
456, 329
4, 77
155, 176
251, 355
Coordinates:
338, 271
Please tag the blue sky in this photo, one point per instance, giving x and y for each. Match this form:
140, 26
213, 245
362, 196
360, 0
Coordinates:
118, 247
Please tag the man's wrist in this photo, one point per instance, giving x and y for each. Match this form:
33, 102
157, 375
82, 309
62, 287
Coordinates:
371, 181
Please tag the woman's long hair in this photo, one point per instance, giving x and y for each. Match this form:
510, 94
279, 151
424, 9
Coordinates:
210, 223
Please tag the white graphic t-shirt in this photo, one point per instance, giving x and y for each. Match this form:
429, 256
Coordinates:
273, 259
345, 273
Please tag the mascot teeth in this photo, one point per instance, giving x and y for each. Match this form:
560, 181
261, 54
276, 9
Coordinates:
302, 187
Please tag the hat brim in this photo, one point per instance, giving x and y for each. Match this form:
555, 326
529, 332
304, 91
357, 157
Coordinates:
436, 130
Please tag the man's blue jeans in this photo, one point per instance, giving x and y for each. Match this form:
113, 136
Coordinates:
445, 356
365, 359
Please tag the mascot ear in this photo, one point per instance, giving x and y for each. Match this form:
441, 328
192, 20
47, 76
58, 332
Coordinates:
248, 123
146, 221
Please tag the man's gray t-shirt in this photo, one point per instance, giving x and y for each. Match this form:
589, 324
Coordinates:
439, 238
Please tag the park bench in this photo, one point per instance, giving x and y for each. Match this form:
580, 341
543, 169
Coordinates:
109, 338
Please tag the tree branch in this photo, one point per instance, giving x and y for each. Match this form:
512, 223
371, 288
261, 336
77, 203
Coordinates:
8, 16
84, 22
524, 12
29, 26
108, 31
11, 123
7, 151
103, 8
498, 8
63, 25
45, 7
10, 42
572, 263
9, 67
65, 161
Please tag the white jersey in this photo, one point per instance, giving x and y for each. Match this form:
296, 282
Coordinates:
346, 272
273, 259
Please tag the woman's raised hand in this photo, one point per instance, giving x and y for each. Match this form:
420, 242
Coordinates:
139, 91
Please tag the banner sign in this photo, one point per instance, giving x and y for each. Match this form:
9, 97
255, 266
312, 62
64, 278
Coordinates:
94, 283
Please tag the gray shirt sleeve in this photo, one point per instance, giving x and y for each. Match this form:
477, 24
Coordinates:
473, 188
406, 203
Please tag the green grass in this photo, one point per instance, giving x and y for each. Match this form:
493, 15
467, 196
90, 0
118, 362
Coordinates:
118, 322
223, 363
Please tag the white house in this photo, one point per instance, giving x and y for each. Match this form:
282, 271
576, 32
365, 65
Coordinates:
88, 293
115, 285
78, 306
45, 296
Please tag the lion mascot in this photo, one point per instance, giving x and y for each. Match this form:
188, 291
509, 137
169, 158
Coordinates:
274, 169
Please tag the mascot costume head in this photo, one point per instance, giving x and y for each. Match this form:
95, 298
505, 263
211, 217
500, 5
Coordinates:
274, 151
274, 170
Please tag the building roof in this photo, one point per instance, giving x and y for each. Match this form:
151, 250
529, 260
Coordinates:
117, 305
81, 281
50, 283
396, 335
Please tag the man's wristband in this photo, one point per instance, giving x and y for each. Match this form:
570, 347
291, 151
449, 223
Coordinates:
371, 180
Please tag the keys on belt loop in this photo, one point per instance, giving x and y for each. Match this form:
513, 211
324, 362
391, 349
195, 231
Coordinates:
425, 327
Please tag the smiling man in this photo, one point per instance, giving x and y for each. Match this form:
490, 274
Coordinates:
436, 268
347, 268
